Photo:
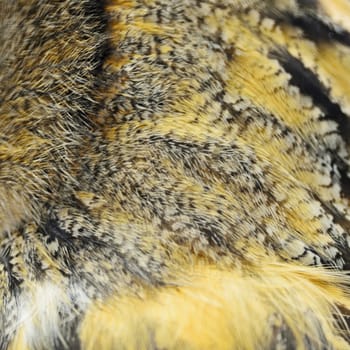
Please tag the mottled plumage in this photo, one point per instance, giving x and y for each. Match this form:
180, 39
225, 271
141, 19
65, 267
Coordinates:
174, 174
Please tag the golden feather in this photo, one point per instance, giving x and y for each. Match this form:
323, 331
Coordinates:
174, 174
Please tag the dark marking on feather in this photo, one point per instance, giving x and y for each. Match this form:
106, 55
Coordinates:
309, 84
319, 31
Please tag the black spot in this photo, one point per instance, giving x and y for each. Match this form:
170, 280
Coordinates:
308, 4
318, 31
95, 13
213, 235
343, 170
54, 231
313, 27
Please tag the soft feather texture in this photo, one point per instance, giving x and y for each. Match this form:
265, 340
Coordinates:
174, 174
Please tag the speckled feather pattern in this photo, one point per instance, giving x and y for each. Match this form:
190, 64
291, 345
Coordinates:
174, 174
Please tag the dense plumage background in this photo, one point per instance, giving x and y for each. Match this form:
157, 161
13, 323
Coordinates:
174, 174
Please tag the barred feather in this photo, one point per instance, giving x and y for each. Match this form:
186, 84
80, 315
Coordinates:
174, 174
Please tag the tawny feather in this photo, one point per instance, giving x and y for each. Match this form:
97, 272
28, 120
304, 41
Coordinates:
174, 174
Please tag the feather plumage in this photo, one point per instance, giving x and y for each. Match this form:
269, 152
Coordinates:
174, 174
